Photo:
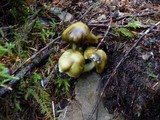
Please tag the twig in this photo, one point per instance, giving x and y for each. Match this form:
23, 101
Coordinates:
90, 8
64, 115
117, 66
129, 16
53, 110
106, 33
33, 56
22, 71
8, 2
141, 15
115, 26
6, 86
20, 74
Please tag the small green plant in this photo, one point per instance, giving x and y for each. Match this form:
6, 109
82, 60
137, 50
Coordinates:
2, 50
2, 33
19, 42
42, 98
134, 24
40, 95
7, 49
125, 31
28, 97
62, 85
45, 33
5, 76
37, 25
53, 23
36, 77
150, 72
20, 12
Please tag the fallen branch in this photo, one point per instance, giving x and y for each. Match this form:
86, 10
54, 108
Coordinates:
126, 16
115, 26
117, 66
90, 8
40, 51
21, 73
106, 33
36, 59
140, 15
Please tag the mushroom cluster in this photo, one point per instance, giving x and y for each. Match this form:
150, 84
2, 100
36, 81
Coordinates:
72, 61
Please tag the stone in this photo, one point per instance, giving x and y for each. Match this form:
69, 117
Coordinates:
147, 55
86, 95
63, 16
101, 17
71, 112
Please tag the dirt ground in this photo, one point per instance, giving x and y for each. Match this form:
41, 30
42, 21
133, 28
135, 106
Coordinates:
133, 91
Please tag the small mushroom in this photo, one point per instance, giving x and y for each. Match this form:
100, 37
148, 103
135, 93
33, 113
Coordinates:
79, 33
98, 59
72, 63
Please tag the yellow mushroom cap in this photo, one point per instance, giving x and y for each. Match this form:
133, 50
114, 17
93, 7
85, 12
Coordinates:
72, 63
98, 56
79, 33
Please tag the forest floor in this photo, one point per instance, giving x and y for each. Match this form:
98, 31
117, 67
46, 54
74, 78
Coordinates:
30, 46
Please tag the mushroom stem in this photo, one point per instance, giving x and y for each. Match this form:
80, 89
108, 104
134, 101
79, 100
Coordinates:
89, 66
99, 58
74, 46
